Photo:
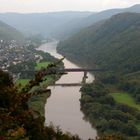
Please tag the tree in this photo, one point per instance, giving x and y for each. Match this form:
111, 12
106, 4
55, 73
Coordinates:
17, 120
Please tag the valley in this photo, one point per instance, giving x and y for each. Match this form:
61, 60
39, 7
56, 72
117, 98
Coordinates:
63, 107
114, 46
41, 101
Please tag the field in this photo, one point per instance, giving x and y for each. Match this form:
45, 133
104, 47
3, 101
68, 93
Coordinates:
38, 102
49, 79
22, 82
41, 65
125, 98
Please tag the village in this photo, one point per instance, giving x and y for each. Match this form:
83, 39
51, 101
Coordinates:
11, 53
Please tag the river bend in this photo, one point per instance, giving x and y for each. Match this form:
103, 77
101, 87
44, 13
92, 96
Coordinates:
63, 106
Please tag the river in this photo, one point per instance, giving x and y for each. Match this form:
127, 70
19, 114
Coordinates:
63, 107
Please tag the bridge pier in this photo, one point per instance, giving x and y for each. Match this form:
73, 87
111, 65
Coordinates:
84, 78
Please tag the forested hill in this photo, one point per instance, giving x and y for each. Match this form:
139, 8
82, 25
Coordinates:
59, 25
49, 24
93, 18
113, 44
9, 33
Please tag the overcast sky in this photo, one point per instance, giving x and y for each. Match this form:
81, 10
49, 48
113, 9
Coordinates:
62, 5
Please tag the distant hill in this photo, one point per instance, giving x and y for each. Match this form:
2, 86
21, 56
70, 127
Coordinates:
112, 44
9, 33
46, 24
59, 24
107, 14
93, 18
72, 28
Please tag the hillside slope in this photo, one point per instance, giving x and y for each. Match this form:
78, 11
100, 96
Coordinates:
113, 44
59, 24
9, 33
74, 26
93, 18
47, 24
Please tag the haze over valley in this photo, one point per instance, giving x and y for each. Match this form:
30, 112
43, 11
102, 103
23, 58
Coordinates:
59, 24
70, 73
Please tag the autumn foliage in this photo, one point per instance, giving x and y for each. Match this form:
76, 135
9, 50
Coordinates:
17, 120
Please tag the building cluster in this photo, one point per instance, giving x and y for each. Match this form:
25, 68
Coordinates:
11, 53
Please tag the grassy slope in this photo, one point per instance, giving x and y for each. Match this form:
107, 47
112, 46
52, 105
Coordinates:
38, 102
125, 98
22, 82
41, 65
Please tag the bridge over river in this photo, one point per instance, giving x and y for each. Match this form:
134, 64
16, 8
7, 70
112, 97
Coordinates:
55, 70
63, 106
85, 70
80, 70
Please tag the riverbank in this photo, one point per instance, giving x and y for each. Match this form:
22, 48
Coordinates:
109, 116
121, 108
111, 113
18, 120
125, 98
63, 107
37, 102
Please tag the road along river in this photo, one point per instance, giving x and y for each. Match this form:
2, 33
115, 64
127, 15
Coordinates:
63, 106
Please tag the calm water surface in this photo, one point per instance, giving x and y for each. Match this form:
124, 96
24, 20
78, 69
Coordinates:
63, 106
